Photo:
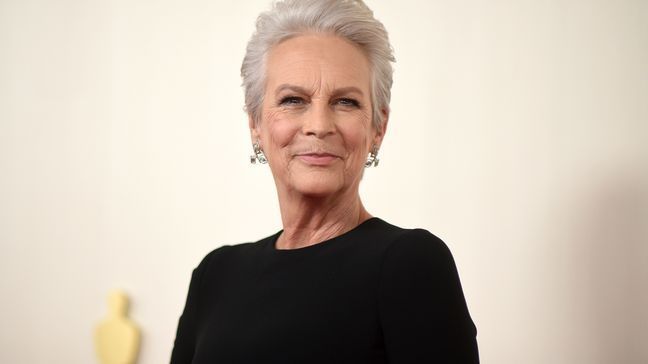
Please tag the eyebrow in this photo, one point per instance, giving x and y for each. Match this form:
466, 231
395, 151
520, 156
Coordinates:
299, 89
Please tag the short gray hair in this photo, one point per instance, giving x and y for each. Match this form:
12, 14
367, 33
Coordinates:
348, 19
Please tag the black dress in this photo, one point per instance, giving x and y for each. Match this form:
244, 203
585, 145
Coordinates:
376, 294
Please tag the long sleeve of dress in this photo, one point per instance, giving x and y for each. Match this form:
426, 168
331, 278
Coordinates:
422, 308
183, 348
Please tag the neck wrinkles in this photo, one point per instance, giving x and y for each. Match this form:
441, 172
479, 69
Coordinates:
309, 221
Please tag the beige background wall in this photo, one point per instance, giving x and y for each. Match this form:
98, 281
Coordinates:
519, 135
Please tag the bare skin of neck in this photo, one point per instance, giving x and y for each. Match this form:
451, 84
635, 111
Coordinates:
311, 220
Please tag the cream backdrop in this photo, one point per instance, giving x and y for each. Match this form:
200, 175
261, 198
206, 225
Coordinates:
519, 135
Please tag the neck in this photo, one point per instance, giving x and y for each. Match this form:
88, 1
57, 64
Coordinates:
311, 220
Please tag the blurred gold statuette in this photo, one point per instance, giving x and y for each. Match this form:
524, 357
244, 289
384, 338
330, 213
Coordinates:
117, 338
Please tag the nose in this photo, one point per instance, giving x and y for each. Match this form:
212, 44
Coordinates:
319, 121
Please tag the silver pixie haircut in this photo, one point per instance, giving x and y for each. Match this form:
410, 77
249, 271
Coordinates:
348, 19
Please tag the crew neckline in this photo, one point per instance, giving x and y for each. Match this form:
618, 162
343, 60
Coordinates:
271, 245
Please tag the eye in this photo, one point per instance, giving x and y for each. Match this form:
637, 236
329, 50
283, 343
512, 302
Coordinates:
348, 102
291, 100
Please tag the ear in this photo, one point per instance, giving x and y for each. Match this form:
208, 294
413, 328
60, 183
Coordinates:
380, 132
255, 134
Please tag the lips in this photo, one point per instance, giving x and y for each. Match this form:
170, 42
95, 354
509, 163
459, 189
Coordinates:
318, 159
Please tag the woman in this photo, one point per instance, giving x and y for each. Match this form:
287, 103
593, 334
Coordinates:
336, 285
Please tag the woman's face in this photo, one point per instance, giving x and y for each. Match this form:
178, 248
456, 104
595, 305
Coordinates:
315, 127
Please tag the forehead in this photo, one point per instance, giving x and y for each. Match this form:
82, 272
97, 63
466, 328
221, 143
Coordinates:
317, 60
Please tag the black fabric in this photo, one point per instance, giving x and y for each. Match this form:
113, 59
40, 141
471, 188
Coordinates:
376, 294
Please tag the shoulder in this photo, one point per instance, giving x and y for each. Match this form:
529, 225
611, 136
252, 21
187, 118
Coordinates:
416, 244
423, 311
409, 244
230, 255
418, 266
223, 252
417, 255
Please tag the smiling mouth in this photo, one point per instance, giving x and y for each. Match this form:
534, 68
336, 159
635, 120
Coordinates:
317, 159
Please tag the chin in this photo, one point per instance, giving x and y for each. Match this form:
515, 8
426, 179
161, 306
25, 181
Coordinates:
319, 186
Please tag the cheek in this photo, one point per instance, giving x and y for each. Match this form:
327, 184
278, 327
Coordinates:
277, 132
357, 143
281, 134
